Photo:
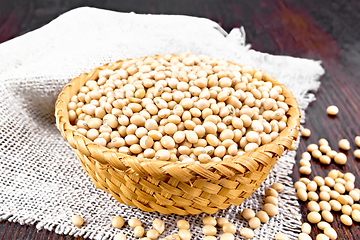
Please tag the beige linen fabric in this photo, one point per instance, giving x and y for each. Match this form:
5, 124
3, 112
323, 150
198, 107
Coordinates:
42, 182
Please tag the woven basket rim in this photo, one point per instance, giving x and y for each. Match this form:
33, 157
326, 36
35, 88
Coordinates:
160, 169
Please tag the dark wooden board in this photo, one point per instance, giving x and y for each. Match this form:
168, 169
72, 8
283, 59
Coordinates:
325, 30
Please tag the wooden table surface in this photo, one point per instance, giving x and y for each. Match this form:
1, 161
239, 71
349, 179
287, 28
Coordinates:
322, 30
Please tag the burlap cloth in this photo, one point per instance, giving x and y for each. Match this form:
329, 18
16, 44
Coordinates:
42, 182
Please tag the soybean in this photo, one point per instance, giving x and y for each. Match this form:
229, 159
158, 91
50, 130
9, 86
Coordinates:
248, 214
229, 228
152, 234
209, 221
209, 230
254, 222
346, 220
117, 222
332, 110
247, 233
330, 232
120, 236
76, 220
344, 144
304, 236
305, 132
139, 231
183, 224
263, 216
270, 209
134, 222
340, 158
314, 217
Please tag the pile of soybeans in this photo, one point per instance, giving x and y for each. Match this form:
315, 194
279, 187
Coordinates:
179, 108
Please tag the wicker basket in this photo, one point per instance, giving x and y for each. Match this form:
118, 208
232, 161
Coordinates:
170, 187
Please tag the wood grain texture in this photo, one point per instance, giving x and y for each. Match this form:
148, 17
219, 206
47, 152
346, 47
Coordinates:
325, 30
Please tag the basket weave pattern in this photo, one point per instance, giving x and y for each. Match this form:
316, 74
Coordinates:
170, 187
